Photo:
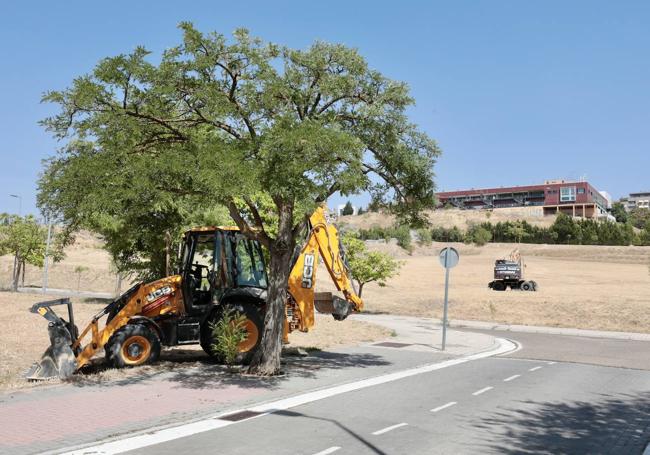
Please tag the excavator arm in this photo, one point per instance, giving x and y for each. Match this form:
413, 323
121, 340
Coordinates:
322, 243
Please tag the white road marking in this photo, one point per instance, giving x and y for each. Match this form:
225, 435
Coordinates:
483, 390
328, 451
387, 429
152, 436
444, 406
534, 368
514, 376
551, 363
647, 450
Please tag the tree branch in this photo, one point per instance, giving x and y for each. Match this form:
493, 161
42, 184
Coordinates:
256, 215
244, 227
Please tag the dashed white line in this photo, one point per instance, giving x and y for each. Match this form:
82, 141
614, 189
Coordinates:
387, 429
483, 390
534, 368
514, 376
444, 406
328, 451
551, 363
156, 436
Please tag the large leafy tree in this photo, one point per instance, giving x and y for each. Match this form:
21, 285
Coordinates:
240, 123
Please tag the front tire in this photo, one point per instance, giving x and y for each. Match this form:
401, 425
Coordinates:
499, 286
133, 345
253, 325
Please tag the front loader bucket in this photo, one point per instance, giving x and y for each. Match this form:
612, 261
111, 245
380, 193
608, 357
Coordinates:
58, 361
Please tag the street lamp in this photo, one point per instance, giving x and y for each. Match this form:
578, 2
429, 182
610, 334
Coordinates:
20, 203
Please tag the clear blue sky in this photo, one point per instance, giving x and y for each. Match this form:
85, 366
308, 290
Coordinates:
515, 92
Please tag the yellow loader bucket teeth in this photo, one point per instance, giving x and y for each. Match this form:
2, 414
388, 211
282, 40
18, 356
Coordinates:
58, 361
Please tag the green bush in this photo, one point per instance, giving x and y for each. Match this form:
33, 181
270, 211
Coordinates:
478, 235
228, 332
424, 236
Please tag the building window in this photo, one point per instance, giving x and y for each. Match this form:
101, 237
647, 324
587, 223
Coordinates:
581, 191
568, 194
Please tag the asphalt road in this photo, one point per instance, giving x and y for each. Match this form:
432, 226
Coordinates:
497, 405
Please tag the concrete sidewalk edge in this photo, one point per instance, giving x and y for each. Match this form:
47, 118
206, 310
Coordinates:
549, 330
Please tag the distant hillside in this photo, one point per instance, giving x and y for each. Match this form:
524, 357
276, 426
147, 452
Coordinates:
454, 217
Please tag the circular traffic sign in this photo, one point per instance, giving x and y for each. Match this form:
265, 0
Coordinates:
448, 257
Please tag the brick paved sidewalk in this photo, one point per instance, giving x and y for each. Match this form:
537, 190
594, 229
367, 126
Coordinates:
54, 418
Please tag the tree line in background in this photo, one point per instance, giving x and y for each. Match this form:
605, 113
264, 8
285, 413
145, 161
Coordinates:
564, 231
25, 239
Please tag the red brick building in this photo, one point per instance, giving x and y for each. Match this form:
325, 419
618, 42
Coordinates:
554, 196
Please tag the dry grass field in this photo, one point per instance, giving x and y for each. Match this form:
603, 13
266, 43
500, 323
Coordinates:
23, 339
589, 287
86, 253
455, 217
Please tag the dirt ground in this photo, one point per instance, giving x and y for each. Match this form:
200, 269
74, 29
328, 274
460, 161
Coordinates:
588, 287
23, 339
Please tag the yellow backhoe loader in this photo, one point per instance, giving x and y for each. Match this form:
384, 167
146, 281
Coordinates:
220, 269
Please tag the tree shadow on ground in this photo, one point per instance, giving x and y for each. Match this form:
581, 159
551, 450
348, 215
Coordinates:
211, 376
612, 425
194, 370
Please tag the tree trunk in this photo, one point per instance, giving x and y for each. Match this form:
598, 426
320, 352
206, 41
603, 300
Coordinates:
23, 274
16, 276
168, 246
360, 288
266, 361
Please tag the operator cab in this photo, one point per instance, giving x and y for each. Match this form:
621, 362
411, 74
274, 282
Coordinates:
220, 263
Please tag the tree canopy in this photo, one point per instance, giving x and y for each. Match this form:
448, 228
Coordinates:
240, 123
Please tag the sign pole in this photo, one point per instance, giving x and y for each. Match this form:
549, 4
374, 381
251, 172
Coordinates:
448, 258
444, 316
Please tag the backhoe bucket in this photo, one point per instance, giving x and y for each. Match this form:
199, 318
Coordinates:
327, 303
58, 361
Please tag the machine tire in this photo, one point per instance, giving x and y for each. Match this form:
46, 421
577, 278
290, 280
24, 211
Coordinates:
133, 345
526, 286
254, 325
499, 286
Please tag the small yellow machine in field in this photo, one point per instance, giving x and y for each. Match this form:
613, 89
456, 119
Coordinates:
220, 269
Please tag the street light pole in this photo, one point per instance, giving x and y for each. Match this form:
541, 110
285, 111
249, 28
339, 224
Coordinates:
20, 203
47, 250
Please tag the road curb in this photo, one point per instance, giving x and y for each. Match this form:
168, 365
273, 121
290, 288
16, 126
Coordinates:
159, 435
460, 324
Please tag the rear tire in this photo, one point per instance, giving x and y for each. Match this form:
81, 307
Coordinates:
526, 286
254, 325
133, 345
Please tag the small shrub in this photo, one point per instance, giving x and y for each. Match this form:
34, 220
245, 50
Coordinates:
228, 332
403, 235
424, 236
